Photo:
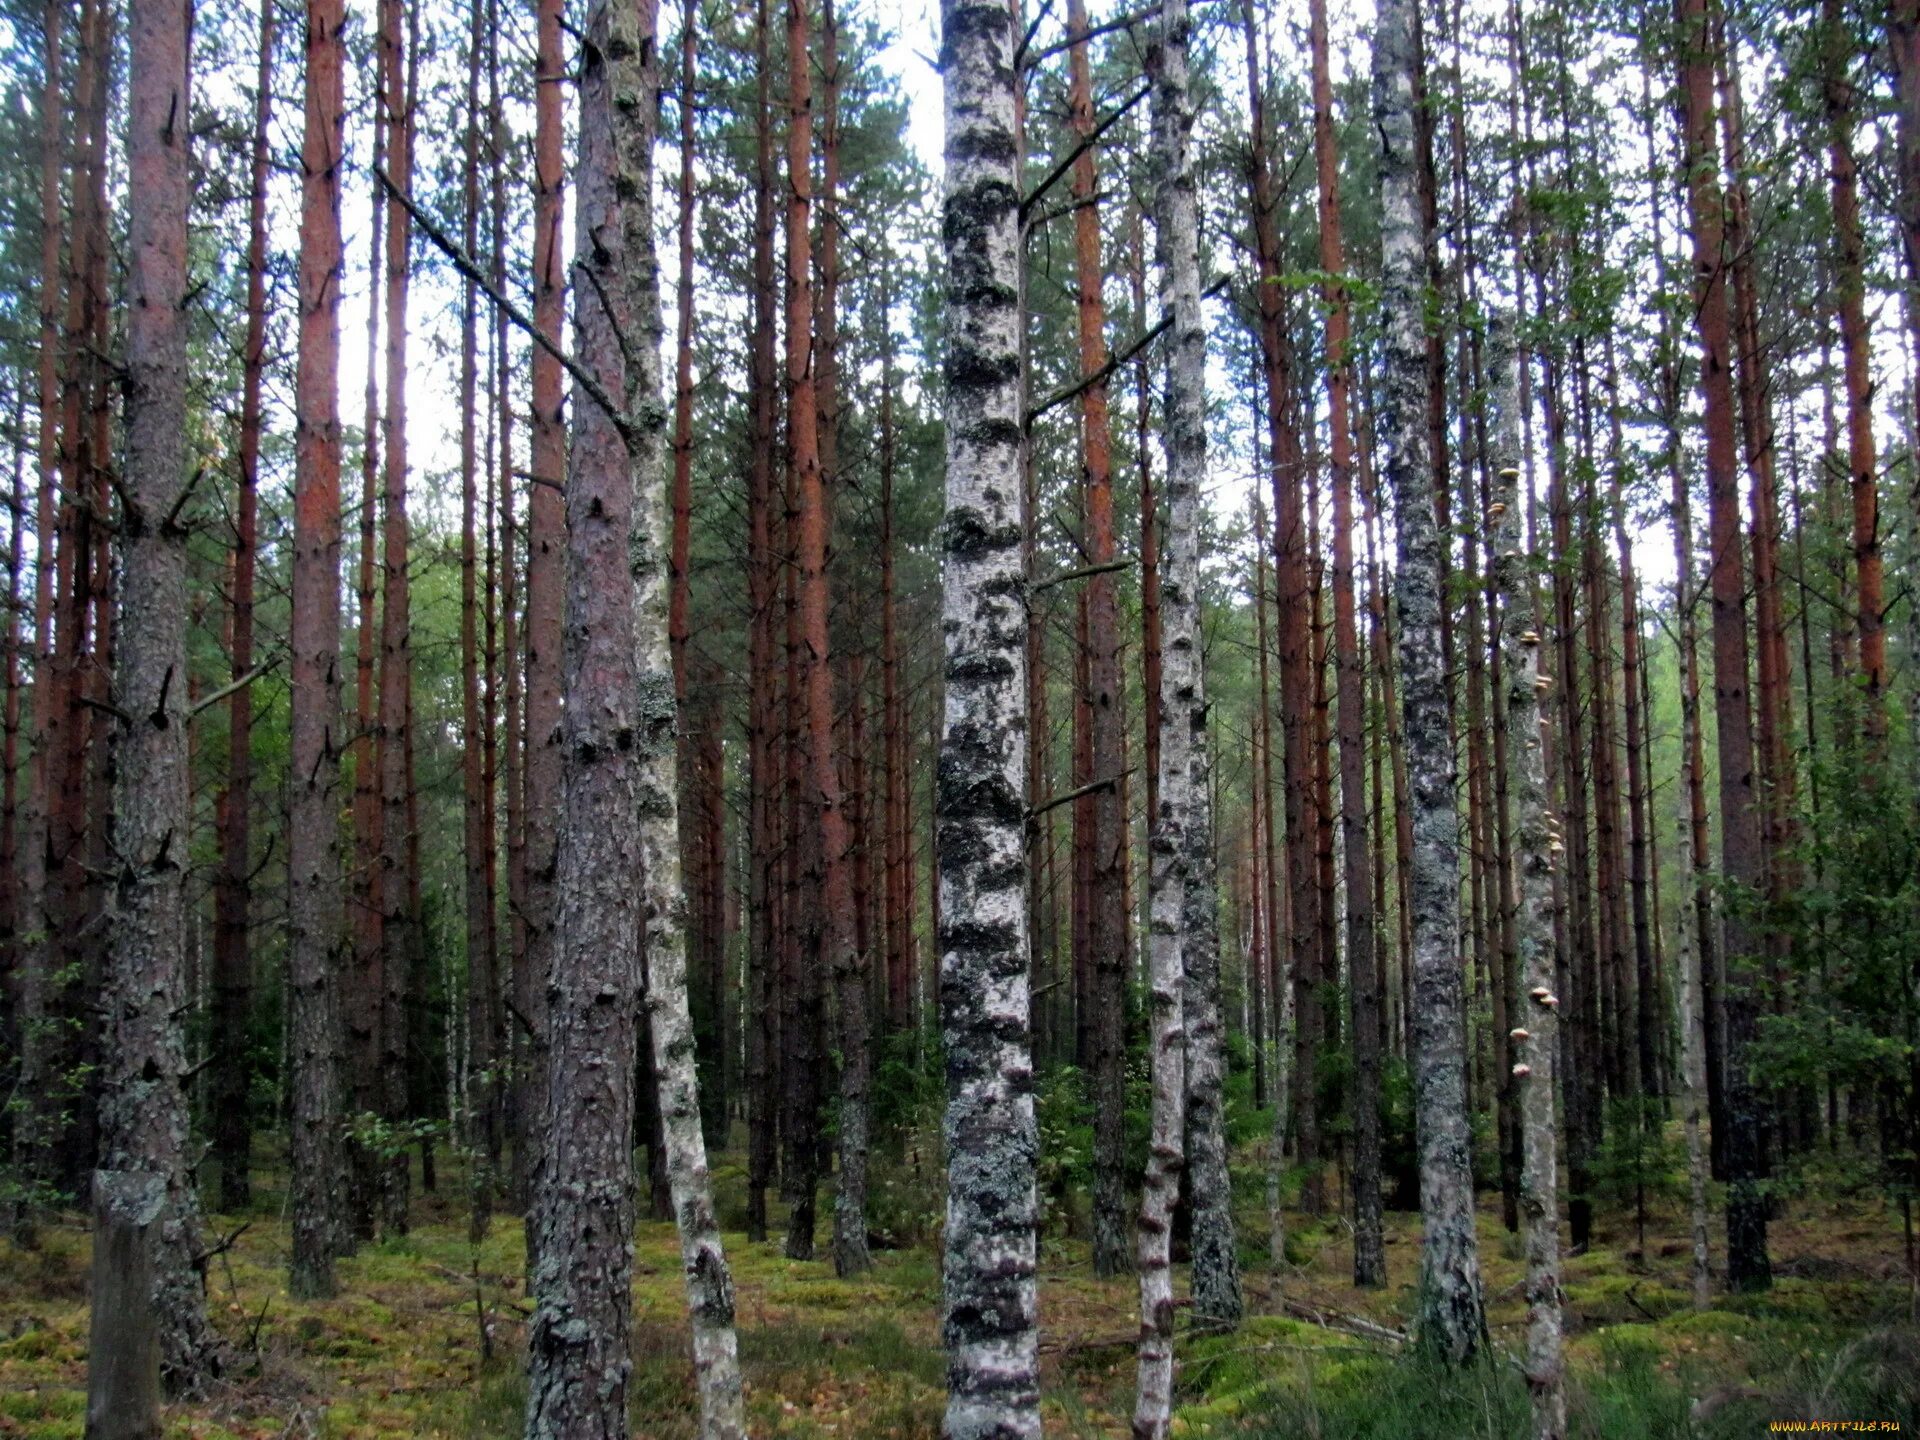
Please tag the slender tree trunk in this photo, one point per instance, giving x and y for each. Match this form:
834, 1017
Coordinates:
34, 1132
763, 767
510, 1053
1742, 860
899, 898
1184, 976
143, 1120
360, 1000
655, 746
1837, 90
812, 417
989, 1310
477, 835
1217, 1296
1369, 1261
1276, 919
1535, 1034
396, 642
1291, 597
1106, 930
316, 935
233, 974
1692, 1037
1452, 1321
546, 542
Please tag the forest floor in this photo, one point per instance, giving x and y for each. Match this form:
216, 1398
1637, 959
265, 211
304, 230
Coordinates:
401, 1353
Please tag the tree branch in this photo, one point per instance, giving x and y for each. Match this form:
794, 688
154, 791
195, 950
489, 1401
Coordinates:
1079, 793
1087, 142
1083, 573
1114, 362
207, 702
469, 268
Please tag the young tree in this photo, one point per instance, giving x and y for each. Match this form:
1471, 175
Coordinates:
1452, 1320
1106, 930
398, 68
313, 840
989, 1308
1369, 1261
232, 963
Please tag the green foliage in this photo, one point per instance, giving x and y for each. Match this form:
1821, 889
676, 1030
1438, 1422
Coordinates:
1637, 1161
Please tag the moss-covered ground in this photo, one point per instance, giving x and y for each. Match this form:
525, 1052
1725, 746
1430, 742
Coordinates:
424, 1338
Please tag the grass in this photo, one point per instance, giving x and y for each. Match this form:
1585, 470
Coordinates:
400, 1352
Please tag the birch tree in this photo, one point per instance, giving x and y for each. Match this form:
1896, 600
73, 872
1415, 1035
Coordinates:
990, 1301
1536, 1031
1452, 1320
620, 813
1181, 893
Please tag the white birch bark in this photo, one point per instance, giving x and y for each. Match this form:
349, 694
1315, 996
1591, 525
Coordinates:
620, 815
709, 1282
989, 1301
1452, 1321
1180, 891
1536, 1019
1217, 1299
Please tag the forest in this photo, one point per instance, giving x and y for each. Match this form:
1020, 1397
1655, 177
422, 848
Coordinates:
857, 719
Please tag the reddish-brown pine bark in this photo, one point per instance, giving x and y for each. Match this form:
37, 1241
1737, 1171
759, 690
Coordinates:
313, 848
763, 751
232, 973
396, 641
1294, 611
1742, 858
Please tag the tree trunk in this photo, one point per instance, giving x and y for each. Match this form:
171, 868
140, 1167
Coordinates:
232, 969
1837, 90
1369, 1261
396, 642
1535, 1033
360, 999
33, 1133
1296, 680
1742, 861
1184, 976
989, 1311
313, 834
123, 1340
763, 767
144, 1122
477, 836
546, 540
1692, 1037
1217, 1297
635, 270
899, 898
578, 1341
1106, 923
1451, 1318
